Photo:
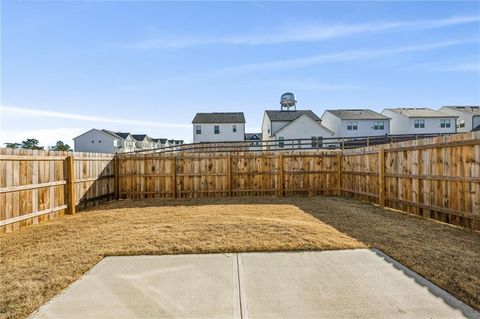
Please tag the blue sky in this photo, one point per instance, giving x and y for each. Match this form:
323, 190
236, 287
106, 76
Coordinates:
68, 66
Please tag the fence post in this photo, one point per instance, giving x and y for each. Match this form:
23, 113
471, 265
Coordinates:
116, 168
339, 174
230, 177
282, 176
70, 185
381, 177
173, 168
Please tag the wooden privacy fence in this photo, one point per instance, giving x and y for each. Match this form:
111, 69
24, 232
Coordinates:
42, 185
438, 178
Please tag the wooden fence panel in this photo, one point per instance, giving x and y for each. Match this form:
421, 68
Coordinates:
33, 184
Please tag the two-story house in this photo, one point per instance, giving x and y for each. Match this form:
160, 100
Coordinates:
218, 127
468, 117
356, 122
98, 141
281, 125
420, 121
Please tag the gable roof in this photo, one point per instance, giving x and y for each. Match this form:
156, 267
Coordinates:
163, 140
122, 135
318, 122
139, 137
288, 116
112, 133
465, 109
251, 136
358, 114
100, 131
419, 112
219, 117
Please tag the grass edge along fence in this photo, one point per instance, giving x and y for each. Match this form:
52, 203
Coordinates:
437, 178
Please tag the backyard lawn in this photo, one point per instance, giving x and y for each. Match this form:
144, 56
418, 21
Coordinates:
38, 262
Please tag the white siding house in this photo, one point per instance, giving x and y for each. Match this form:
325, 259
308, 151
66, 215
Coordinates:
420, 121
218, 127
356, 123
292, 125
468, 117
98, 141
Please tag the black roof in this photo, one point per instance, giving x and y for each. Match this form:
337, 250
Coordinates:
253, 136
288, 116
223, 117
122, 135
139, 137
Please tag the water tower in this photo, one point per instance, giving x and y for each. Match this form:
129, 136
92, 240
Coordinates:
287, 100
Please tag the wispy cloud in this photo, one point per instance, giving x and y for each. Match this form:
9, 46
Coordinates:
340, 56
446, 67
303, 33
81, 117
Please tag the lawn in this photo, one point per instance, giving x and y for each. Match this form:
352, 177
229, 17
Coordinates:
39, 261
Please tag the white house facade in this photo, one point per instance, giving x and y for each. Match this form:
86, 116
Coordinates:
105, 141
219, 127
420, 121
97, 141
356, 122
468, 117
292, 125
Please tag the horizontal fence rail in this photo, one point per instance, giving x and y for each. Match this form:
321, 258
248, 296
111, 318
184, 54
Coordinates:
37, 185
437, 178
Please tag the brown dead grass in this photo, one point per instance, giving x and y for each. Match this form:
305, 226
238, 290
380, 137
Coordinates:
39, 261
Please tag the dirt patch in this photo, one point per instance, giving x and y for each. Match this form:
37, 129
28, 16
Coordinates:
39, 261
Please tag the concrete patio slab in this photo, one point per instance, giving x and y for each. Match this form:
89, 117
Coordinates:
328, 284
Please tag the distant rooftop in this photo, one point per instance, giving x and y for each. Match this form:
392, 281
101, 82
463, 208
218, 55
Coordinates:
288, 116
466, 109
220, 117
358, 114
420, 112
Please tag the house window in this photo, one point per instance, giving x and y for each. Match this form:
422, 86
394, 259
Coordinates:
99, 141
445, 123
234, 128
280, 141
198, 129
378, 125
352, 126
93, 141
216, 129
460, 123
419, 123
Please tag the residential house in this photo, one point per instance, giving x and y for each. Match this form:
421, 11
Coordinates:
142, 142
128, 144
280, 125
98, 141
420, 121
468, 117
255, 139
218, 127
356, 122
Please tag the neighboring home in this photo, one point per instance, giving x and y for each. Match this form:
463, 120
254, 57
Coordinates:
128, 141
420, 121
356, 122
292, 125
142, 141
255, 139
468, 117
218, 127
105, 141
98, 141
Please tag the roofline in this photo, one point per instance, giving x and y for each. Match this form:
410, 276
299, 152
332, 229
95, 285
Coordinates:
423, 116
274, 134
241, 122
373, 118
266, 114
96, 129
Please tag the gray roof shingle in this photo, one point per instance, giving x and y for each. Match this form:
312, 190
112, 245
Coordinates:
219, 117
358, 114
420, 112
288, 116
466, 109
